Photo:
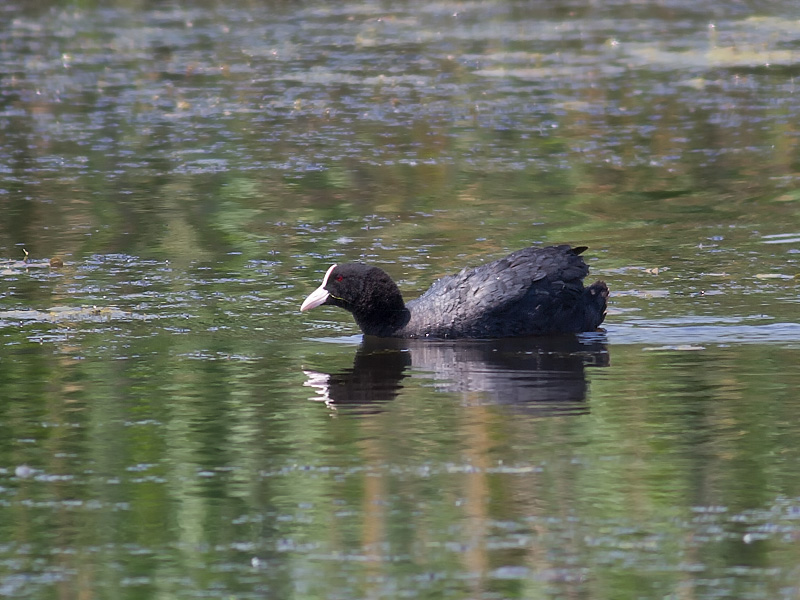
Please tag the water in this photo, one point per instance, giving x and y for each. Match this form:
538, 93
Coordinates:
172, 426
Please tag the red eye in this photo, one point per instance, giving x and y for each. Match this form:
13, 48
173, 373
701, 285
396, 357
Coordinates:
339, 278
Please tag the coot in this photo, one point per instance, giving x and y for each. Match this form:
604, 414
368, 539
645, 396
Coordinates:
533, 291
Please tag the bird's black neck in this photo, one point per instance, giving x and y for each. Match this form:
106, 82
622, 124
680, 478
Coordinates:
383, 319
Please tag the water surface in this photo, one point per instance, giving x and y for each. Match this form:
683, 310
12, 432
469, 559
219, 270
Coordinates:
172, 426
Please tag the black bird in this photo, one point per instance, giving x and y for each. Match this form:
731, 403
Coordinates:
533, 291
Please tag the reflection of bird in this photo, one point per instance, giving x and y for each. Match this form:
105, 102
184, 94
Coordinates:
376, 377
540, 376
532, 291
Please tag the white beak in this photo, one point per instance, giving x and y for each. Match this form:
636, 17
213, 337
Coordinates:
315, 298
319, 295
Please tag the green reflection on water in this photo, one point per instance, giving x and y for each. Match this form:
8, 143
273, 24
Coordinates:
198, 168
207, 469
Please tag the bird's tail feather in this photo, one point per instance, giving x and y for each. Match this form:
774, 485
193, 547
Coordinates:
596, 302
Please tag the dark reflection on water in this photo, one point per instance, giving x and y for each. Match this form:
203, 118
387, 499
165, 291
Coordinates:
538, 376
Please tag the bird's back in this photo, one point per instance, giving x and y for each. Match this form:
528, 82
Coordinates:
529, 292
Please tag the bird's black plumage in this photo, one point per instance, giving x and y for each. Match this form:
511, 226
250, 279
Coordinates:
533, 291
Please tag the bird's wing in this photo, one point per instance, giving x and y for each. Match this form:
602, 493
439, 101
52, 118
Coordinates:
498, 286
